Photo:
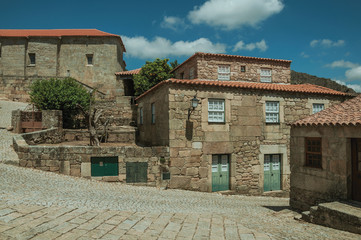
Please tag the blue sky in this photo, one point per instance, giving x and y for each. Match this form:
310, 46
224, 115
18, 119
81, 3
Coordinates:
322, 38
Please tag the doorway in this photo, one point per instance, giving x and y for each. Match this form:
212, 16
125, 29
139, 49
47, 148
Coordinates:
272, 172
220, 172
356, 168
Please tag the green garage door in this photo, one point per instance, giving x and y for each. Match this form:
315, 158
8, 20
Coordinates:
272, 172
137, 172
220, 173
104, 166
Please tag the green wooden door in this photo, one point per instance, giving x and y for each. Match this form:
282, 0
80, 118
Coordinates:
220, 173
136, 172
104, 166
272, 172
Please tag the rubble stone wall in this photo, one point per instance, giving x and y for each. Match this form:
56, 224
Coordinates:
76, 160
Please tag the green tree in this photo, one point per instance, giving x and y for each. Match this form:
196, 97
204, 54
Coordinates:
151, 74
174, 64
66, 95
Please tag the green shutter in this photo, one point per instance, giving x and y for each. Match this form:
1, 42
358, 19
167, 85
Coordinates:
104, 166
136, 172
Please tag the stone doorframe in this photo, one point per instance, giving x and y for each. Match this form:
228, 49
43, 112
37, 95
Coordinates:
285, 166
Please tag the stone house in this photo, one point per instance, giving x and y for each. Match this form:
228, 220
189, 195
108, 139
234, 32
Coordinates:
238, 136
88, 55
326, 156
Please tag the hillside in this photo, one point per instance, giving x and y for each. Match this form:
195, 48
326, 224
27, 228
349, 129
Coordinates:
299, 78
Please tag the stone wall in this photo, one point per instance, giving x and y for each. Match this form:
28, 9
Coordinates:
115, 135
311, 186
119, 112
155, 134
244, 135
206, 67
76, 160
64, 57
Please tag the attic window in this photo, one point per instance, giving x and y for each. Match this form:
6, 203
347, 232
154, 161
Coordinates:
191, 73
32, 59
89, 58
243, 68
266, 75
224, 72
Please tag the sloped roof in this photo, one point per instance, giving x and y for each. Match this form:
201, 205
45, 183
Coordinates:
346, 113
300, 88
56, 33
128, 73
230, 56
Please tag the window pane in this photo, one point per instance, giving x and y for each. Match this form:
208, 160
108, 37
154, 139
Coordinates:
215, 110
317, 107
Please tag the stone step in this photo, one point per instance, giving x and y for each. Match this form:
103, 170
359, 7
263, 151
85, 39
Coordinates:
344, 216
305, 216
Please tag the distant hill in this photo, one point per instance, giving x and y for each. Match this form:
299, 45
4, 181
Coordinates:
299, 78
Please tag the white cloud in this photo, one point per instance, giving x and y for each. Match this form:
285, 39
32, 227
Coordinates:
159, 47
261, 45
304, 55
174, 23
231, 14
354, 73
342, 64
327, 43
355, 87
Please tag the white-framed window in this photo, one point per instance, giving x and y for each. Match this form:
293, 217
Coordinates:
191, 73
153, 112
317, 107
216, 110
272, 112
266, 75
32, 60
89, 59
140, 115
224, 72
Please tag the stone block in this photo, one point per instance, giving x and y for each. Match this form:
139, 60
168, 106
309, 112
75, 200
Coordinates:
182, 182
197, 145
176, 124
111, 178
192, 172
75, 170
85, 169
203, 172
217, 147
65, 167
177, 162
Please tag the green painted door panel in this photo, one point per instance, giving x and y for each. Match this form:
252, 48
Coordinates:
104, 166
136, 172
272, 172
220, 173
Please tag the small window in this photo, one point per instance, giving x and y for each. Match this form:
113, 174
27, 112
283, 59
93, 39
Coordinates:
317, 107
140, 115
181, 75
32, 58
224, 72
89, 58
216, 110
243, 68
272, 112
313, 150
191, 73
153, 112
266, 75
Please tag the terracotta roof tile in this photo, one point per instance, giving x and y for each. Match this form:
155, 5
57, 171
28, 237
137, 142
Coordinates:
230, 56
300, 88
56, 33
346, 113
128, 73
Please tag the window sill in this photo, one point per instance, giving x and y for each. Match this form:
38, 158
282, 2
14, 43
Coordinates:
313, 168
89, 65
31, 65
273, 123
216, 123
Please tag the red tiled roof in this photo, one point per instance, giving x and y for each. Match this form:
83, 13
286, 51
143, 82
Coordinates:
231, 56
55, 33
300, 88
346, 113
128, 73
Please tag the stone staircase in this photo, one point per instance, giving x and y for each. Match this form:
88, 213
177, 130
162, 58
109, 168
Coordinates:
339, 215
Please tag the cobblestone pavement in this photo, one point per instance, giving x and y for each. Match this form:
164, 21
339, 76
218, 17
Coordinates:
44, 205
